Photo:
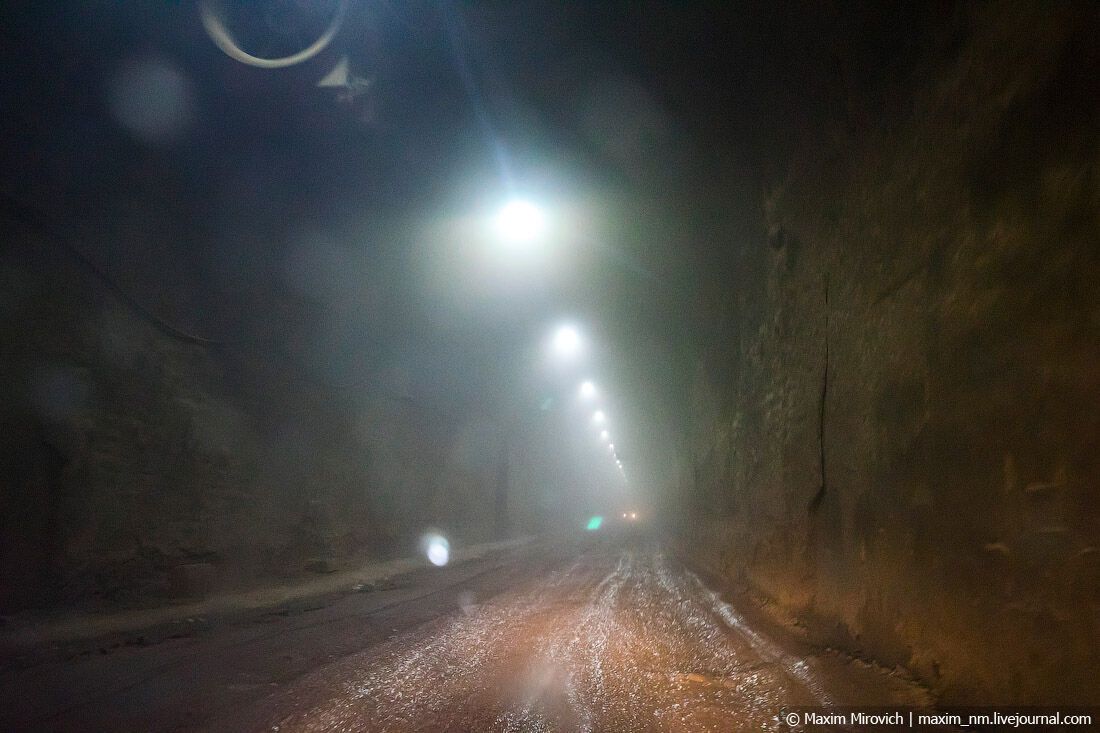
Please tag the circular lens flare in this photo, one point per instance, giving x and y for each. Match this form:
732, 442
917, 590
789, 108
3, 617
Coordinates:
436, 548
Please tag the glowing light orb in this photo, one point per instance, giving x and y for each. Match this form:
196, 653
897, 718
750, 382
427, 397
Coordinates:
436, 548
520, 222
567, 341
598, 417
588, 390
152, 99
594, 523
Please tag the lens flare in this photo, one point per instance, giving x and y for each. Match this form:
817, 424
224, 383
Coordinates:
436, 548
152, 100
219, 34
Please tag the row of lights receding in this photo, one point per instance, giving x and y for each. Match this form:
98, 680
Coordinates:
566, 343
599, 418
521, 222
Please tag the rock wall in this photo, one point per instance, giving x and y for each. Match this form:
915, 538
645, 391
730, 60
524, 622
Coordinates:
137, 467
895, 425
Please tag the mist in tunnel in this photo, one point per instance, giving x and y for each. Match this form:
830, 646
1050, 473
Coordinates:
784, 304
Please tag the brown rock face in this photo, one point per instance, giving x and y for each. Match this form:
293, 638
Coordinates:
895, 418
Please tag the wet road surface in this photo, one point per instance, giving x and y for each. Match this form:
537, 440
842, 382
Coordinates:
617, 640
560, 636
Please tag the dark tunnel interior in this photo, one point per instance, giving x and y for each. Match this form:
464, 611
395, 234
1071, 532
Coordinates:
533, 365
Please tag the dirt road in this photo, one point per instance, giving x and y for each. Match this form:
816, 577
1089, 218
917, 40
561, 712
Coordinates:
619, 637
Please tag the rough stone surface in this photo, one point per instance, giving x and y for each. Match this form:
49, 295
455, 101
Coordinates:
138, 468
894, 431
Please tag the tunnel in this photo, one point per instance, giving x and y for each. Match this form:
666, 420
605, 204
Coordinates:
459, 365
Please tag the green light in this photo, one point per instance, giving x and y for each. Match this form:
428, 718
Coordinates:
594, 523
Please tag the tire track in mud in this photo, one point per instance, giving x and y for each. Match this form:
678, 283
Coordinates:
621, 640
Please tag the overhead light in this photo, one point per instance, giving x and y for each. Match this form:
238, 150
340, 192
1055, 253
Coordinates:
566, 341
520, 222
